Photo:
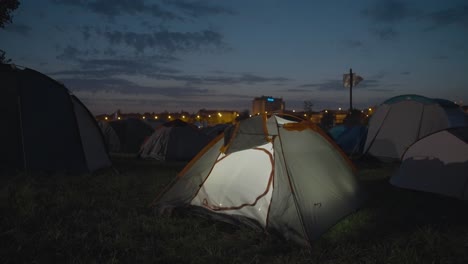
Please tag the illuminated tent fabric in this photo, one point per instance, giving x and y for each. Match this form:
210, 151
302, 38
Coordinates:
45, 127
437, 163
131, 134
174, 141
277, 175
402, 120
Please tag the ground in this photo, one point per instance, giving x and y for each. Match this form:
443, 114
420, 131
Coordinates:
105, 217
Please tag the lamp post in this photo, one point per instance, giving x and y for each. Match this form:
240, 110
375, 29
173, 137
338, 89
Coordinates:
350, 80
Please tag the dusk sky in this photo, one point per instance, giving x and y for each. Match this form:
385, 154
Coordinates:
173, 55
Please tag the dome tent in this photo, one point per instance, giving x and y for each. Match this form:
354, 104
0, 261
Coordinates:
273, 174
47, 127
400, 121
174, 141
127, 135
350, 138
437, 163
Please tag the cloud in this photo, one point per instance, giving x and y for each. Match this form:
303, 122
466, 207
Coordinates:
405, 73
353, 43
337, 85
18, 28
388, 11
295, 90
386, 33
100, 64
123, 86
72, 53
384, 14
245, 78
440, 57
112, 8
386, 90
86, 32
451, 16
106, 68
198, 8
167, 41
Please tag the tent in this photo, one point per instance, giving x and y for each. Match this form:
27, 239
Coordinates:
437, 163
127, 135
351, 139
213, 131
277, 175
174, 141
402, 120
46, 127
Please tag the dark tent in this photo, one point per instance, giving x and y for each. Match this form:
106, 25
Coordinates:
174, 141
350, 139
46, 127
131, 133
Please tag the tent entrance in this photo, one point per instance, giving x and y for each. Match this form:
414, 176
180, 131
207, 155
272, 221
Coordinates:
240, 183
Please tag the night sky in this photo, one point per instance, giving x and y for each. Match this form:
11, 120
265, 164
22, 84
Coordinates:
175, 55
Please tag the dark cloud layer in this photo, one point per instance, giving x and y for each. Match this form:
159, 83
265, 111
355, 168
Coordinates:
388, 11
122, 86
166, 41
384, 14
386, 33
178, 11
18, 28
337, 85
112, 8
452, 16
198, 8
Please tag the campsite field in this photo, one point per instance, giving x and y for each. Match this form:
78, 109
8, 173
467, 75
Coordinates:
105, 218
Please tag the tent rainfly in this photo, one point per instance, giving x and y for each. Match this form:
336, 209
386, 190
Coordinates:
402, 120
437, 163
46, 128
274, 174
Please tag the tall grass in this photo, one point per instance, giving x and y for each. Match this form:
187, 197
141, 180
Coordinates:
104, 218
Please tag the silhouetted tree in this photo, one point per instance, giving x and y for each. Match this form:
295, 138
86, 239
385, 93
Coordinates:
3, 58
6, 7
308, 105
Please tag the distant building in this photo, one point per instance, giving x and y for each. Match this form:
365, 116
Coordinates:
267, 104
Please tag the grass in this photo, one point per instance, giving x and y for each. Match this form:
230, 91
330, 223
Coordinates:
104, 218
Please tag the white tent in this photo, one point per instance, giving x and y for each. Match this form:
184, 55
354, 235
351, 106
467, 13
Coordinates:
437, 163
274, 174
402, 120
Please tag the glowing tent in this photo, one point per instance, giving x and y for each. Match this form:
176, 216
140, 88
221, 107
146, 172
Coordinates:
277, 175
